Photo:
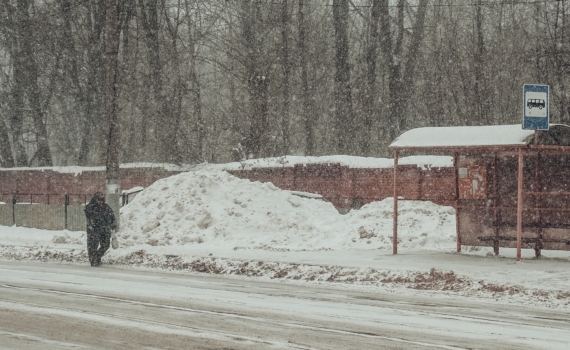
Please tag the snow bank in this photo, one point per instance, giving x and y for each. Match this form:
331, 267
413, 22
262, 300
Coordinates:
216, 209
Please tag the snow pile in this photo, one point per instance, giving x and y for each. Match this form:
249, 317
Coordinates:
216, 209
421, 225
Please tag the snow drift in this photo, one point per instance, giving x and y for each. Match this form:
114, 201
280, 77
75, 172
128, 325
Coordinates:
214, 208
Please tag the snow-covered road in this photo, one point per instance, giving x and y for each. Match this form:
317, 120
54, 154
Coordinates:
55, 306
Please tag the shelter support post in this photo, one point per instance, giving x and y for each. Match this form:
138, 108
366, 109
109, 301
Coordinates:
395, 233
13, 210
495, 205
520, 204
537, 202
66, 205
457, 226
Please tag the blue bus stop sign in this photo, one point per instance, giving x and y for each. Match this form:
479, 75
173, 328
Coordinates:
535, 107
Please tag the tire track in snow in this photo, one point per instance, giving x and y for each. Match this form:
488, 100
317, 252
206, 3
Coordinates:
136, 322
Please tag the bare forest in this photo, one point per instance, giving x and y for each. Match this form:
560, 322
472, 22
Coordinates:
225, 80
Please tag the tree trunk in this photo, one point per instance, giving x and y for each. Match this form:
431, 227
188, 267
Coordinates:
256, 142
159, 109
92, 123
371, 94
344, 119
481, 99
411, 62
110, 95
26, 89
16, 110
307, 117
286, 64
6, 158
195, 87
400, 83
175, 106
126, 78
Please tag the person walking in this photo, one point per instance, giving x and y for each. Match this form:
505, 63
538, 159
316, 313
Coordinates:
100, 224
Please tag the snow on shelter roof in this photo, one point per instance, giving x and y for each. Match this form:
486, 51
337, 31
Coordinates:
464, 136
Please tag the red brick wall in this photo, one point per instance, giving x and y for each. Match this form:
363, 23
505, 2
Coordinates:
344, 187
49, 185
280, 177
438, 186
332, 181
353, 187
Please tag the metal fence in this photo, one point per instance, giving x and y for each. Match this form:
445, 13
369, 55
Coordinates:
44, 212
48, 211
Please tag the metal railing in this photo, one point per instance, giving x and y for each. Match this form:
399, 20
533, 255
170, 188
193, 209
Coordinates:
44, 211
48, 211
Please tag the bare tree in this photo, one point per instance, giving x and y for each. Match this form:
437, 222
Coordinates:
110, 98
163, 121
94, 80
195, 87
401, 76
481, 91
286, 64
257, 75
200, 78
344, 119
308, 118
371, 91
27, 115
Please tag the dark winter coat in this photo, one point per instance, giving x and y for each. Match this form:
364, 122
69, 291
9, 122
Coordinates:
100, 218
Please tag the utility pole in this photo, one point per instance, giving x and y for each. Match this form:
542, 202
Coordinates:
112, 177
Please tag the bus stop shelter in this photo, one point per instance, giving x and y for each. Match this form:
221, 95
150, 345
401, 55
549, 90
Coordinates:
512, 186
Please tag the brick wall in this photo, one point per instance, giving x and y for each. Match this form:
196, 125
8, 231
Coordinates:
344, 187
51, 186
438, 185
283, 178
332, 181
348, 187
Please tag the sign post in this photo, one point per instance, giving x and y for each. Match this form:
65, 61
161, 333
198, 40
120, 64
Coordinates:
536, 115
536, 109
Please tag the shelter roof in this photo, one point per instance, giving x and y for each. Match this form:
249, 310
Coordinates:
480, 136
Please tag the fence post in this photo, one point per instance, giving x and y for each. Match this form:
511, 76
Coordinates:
66, 203
14, 210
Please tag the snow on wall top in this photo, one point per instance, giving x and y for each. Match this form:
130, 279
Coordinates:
80, 169
459, 136
286, 161
343, 160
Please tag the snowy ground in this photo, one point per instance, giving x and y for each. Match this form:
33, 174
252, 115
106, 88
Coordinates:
208, 221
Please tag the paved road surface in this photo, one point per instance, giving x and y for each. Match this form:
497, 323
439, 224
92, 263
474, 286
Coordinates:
51, 306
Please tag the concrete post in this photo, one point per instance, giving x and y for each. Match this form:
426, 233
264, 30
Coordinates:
113, 198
